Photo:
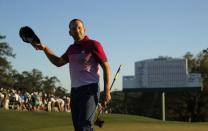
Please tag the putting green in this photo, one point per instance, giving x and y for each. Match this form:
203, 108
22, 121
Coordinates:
44, 121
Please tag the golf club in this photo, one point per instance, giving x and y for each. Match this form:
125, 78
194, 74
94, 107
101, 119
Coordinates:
99, 120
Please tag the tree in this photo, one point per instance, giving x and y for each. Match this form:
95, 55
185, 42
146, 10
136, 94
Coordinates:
5, 66
28, 81
60, 91
49, 84
35, 81
196, 101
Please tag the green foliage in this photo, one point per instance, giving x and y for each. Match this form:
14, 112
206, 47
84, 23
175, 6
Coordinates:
35, 81
49, 84
5, 66
28, 81
60, 91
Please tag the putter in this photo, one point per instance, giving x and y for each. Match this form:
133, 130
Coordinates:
99, 120
29, 36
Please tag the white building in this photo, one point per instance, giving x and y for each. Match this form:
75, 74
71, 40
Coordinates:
162, 73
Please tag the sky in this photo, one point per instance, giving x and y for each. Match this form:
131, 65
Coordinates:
129, 30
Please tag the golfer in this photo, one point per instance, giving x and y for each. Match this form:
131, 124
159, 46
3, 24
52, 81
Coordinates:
84, 57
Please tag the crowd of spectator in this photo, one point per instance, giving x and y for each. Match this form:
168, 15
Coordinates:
36, 101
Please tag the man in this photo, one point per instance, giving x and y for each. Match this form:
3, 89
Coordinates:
84, 57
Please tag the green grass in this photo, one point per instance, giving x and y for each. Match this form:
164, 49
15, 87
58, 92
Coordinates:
43, 121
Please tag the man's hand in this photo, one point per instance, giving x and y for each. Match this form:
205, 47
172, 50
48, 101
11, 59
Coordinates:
106, 99
40, 47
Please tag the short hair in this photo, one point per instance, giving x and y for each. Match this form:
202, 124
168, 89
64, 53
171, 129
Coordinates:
74, 20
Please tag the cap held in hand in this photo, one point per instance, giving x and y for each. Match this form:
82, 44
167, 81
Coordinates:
29, 36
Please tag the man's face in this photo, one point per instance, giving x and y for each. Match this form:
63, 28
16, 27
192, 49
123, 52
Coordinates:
77, 30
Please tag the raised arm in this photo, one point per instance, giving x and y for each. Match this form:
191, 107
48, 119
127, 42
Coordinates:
57, 61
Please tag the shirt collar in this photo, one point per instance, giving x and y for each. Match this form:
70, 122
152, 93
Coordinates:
86, 38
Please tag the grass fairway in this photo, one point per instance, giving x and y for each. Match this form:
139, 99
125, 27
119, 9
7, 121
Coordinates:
43, 121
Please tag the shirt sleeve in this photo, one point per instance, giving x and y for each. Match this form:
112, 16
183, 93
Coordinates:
99, 53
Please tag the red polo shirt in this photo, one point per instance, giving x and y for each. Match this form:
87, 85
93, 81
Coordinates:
84, 58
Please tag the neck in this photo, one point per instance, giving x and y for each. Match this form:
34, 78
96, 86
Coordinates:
78, 40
